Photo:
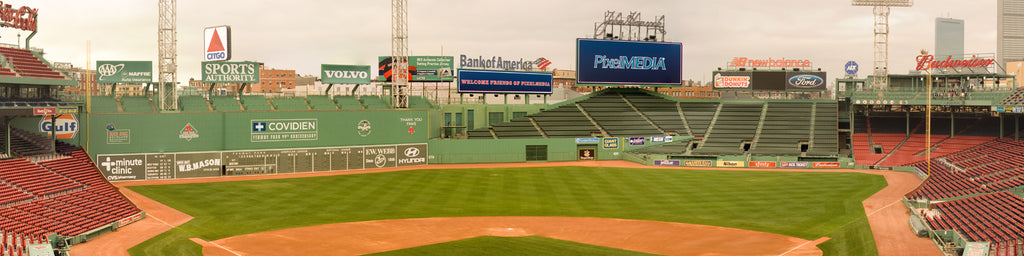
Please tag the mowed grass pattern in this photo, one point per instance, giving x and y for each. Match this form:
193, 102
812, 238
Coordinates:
799, 204
502, 246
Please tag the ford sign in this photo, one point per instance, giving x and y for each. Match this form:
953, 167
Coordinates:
806, 81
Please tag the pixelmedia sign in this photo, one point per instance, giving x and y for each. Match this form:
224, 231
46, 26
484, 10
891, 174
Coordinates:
217, 45
628, 62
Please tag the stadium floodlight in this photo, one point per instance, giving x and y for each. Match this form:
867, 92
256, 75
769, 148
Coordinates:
880, 78
629, 27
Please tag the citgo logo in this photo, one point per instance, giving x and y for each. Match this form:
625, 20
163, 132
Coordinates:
67, 126
217, 45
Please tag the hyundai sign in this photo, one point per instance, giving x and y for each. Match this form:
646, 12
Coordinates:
217, 43
493, 81
628, 62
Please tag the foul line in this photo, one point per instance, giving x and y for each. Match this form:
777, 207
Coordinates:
797, 247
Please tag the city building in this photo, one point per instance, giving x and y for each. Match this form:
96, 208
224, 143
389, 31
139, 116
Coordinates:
949, 38
1009, 31
273, 80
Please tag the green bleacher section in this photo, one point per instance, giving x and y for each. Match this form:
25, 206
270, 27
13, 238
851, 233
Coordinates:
255, 103
320, 102
136, 104
826, 139
104, 104
520, 127
225, 103
616, 116
419, 102
698, 115
193, 103
374, 102
565, 121
284, 104
664, 113
347, 102
737, 122
784, 127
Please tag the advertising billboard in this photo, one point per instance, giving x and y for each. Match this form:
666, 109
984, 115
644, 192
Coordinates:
217, 43
493, 81
231, 72
117, 71
732, 80
813, 81
628, 62
421, 68
769, 81
344, 74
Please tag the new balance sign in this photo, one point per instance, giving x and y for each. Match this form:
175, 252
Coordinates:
217, 45
344, 74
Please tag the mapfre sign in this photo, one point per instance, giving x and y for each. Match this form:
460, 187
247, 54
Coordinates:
24, 18
217, 46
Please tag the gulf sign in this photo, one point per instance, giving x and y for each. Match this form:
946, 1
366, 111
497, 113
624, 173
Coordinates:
217, 43
67, 126
628, 62
492, 81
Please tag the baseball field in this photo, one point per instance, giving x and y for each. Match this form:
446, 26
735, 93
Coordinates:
804, 205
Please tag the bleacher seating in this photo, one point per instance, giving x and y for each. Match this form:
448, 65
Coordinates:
565, 121
698, 115
34, 179
374, 102
994, 218
289, 104
28, 65
616, 116
347, 102
255, 103
419, 102
664, 113
193, 103
520, 127
1015, 98
320, 102
225, 103
785, 126
826, 124
25, 143
737, 122
104, 104
992, 166
136, 104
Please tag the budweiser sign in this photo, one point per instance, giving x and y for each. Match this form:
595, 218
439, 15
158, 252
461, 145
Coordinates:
925, 62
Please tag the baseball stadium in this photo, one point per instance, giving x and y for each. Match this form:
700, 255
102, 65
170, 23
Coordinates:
457, 155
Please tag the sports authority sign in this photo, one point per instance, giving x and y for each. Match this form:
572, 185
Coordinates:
231, 72
217, 46
344, 74
117, 71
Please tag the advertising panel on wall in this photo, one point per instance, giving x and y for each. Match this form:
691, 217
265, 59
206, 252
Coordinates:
117, 71
813, 81
157, 166
231, 72
628, 62
493, 81
344, 74
740, 80
769, 81
421, 68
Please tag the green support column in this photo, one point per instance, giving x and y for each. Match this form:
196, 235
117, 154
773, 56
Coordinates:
7, 124
908, 124
241, 89
353, 93
952, 125
113, 89
210, 92
328, 89
53, 132
506, 99
527, 98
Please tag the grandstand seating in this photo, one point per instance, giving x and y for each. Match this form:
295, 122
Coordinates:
826, 123
320, 102
255, 103
27, 64
664, 113
520, 127
995, 218
136, 104
419, 102
785, 126
736, 122
992, 166
24, 143
193, 103
1015, 98
289, 104
104, 104
225, 103
347, 102
565, 121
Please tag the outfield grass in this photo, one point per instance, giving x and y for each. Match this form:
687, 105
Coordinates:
502, 246
804, 205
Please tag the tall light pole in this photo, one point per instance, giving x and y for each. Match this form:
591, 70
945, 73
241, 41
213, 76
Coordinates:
928, 115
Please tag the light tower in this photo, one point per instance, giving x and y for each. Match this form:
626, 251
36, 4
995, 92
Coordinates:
167, 41
630, 28
880, 79
399, 55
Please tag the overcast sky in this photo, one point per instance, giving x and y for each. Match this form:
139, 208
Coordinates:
302, 34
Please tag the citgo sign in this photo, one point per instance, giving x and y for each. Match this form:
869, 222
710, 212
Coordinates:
67, 126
